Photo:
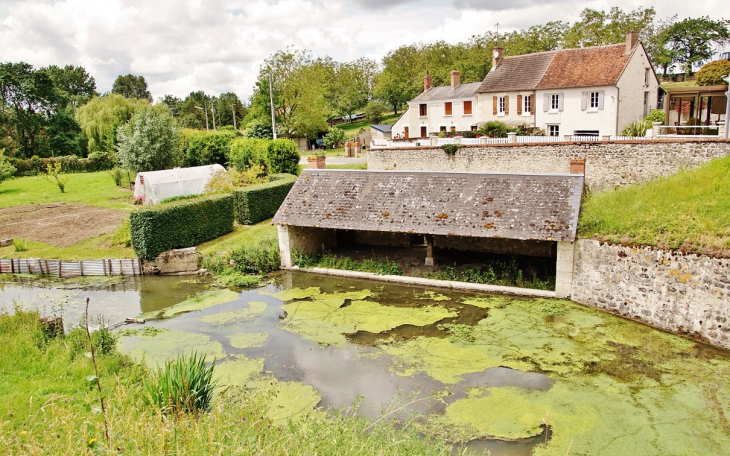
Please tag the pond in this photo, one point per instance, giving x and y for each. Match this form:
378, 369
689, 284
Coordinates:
490, 370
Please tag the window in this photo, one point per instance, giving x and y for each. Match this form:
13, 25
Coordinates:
500, 106
554, 102
453, 129
424, 131
467, 107
447, 108
553, 130
423, 110
442, 128
646, 103
594, 100
646, 77
473, 128
526, 104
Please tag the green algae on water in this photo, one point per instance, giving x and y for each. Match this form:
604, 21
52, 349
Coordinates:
248, 340
291, 400
165, 346
238, 370
295, 293
198, 302
253, 310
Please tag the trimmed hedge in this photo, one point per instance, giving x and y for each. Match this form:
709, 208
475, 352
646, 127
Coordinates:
97, 161
261, 201
186, 223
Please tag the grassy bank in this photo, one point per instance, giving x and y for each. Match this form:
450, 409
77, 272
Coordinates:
48, 406
688, 210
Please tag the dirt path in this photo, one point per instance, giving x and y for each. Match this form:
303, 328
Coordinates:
59, 224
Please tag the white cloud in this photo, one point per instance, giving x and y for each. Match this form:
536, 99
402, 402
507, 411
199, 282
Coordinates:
217, 45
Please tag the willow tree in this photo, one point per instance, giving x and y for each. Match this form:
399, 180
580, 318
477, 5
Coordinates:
100, 118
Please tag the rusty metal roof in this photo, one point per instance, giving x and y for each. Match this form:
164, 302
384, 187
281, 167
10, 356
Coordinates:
514, 206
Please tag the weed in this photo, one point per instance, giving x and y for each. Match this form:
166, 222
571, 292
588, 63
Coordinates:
21, 245
116, 175
552, 308
184, 385
54, 176
329, 260
505, 273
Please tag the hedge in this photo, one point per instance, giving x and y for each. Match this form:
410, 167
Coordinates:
261, 201
98, 161
186, 223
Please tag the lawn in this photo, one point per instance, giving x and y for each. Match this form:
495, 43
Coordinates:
241, 235
107, 245
688, 210
96, 189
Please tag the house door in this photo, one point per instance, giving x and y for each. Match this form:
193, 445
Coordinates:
405, 132
424, 132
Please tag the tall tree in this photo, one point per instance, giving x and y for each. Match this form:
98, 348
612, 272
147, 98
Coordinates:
226, 105
131, 86
402, 76
64, 134
29, 98
74, 84
692, 41
596, 28
193, 109
538, 38
149, 141
100, 118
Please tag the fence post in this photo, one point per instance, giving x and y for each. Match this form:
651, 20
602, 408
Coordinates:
568, 137
512, 137
655, 130
60, 265
721, 129
81, 267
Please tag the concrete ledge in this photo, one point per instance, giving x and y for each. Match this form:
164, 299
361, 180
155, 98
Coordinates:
405, 280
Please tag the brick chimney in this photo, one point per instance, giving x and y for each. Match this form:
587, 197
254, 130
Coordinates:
427, 82
631, 39
577, 166
497, 54
455, 79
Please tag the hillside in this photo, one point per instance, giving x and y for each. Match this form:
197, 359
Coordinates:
689, 210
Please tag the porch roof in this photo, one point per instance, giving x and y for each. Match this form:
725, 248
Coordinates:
496, 205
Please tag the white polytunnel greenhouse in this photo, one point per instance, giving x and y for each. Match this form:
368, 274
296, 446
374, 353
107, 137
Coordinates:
154, 186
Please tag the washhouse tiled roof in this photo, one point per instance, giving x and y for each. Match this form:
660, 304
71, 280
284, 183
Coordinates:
515, 206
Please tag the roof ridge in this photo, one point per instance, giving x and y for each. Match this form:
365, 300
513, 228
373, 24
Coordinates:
529, 53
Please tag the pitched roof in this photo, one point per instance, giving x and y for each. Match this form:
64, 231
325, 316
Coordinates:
519, 72
515, 206
385, 128
447, 93
586, 67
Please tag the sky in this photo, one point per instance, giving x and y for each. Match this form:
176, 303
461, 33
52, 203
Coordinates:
217, 46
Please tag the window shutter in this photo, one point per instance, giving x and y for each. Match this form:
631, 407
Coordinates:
601, 96
546, 102
532, 104
584, 101
519, 105
506, 104
494, 105
561, 96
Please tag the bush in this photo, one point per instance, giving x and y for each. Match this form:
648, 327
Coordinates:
712, 73
656, 115
225, 181
334, 138
246, 152
7, 170
186, 223
260, 202
283, 157
97, 161
636, 128
496, 129
184, 385
209, 149
258, 130
375, 111
149, 141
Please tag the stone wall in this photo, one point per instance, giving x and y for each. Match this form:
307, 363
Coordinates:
608, 163
293, 239
681, 293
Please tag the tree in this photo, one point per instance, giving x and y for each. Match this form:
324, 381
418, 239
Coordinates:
334, 138
100, 118
189, 116
692, 40
596, 28
28, 99
713, 72
375, 111
538, 38
402, 77
131, 86
149, 141
258, 130
7, 170
225, 106
64, 135
75, 85
283, 157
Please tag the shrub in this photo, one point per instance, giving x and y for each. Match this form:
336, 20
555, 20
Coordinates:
184, 385
496, 129
375, 111
450, 149
283, 157
209, 149
97, 161
54, 176
259, 130
712, 73
258, 258
246, 152
7, 170
334, 138
260, 202
636, 128
149, 141
186, 223
656, 115
224, 181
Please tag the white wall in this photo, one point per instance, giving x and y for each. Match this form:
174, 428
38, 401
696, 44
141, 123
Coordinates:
632, 88
486, 109
572, 117
436, 117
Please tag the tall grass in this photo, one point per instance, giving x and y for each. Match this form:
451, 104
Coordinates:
184, 385
381, 266
690, 209
504, 273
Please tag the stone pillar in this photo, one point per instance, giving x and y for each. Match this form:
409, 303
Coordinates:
568, 137
512, 137
605, 137
721, 129
564, 269
317, 161
287, 259
429, 250
655, 130
577, 166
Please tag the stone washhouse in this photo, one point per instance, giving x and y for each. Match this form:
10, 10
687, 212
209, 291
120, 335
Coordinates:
524, 214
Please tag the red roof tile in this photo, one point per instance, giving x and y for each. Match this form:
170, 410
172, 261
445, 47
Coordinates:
586, 67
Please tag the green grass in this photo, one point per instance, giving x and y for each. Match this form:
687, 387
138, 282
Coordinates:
96, 189
354, 127
688, 210
241, 235
109, 245
380, 266
48, 406
349, 166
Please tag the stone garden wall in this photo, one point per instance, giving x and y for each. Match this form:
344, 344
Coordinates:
682, 293
608, 163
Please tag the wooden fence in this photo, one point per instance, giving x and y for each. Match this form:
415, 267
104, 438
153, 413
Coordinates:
127, 267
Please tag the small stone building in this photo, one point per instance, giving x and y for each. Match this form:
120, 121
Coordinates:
526, 214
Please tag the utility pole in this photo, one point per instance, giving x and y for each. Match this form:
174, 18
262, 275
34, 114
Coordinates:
271, 97
212, 109
233, 108
204, 109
